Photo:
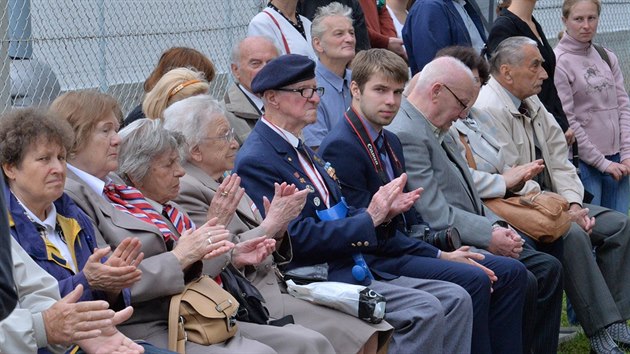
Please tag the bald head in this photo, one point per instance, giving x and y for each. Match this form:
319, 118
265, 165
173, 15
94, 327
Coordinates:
447, 70
443, 91
249, 56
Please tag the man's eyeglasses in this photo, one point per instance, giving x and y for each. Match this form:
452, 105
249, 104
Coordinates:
306, 92
229, 136
464, 106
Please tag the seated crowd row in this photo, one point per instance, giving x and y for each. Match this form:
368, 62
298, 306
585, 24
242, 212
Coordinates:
130, 217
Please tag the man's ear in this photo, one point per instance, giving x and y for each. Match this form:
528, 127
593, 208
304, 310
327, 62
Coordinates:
271, 99
354, 89
506, 73
317, 46
235, 73
436, 88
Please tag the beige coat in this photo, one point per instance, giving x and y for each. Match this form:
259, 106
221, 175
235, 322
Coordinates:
346, 333
514, 132
242, 113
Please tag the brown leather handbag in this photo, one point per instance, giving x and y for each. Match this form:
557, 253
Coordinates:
543, 216
203, 313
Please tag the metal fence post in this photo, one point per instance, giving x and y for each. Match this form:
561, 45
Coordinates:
5, 62
102, 48
20, 45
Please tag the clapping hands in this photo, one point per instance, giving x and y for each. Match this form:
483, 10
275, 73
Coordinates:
390, 200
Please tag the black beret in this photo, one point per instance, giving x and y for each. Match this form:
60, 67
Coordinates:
283, 71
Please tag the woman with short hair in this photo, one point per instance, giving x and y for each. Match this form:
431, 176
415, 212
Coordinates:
47, 223
149, 161
56, 234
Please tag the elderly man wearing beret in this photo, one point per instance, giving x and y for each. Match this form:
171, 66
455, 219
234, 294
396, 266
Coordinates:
429, 316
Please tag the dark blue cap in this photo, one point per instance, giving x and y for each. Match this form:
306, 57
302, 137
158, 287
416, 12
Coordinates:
283, 71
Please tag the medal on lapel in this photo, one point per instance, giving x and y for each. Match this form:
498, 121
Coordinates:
331, 171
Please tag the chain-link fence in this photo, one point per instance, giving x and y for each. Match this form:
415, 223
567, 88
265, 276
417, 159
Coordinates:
50, 46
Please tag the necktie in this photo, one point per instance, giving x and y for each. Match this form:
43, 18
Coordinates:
179, 220
382, 152
542, 178
302, 150
380, 145
131, 201
470, 158
522, 109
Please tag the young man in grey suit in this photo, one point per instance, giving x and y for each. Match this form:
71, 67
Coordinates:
598, 287
441, 95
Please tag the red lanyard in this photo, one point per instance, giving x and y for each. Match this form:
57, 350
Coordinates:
369, 146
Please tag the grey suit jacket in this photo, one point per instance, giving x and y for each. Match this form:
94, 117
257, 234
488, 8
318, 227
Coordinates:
450, 198
242, 114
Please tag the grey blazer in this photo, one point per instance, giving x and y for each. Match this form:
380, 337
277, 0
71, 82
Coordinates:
449, 198
346, 333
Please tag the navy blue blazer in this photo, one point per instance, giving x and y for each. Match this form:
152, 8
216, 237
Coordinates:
360, 181
435, 24
265, 158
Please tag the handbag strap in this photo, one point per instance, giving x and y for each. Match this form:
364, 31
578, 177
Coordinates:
176, 332
602, 53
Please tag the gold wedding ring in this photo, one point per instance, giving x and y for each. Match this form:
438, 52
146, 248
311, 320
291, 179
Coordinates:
210, 240
224, 194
